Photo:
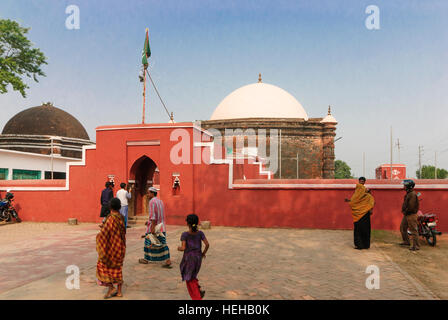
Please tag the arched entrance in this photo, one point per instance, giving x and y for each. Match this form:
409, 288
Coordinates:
143, 174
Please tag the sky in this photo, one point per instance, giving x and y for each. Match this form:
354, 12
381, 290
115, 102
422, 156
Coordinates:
319, 51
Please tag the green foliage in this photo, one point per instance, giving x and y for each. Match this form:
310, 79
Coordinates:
17, 57
342, 170
428, 172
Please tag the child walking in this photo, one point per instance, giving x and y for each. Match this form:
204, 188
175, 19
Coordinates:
193, 255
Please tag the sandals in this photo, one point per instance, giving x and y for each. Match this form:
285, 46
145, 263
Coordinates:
110, 295
144, 261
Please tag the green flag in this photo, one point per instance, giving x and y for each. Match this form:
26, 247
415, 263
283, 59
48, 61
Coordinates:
146, 53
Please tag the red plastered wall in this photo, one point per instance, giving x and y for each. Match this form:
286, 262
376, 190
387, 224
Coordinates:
204, 190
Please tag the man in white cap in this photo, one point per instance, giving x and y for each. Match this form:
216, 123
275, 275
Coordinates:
156, 217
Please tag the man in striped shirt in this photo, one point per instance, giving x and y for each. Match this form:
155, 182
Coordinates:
156, 216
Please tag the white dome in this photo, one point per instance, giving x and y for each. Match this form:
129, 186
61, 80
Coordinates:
259, 100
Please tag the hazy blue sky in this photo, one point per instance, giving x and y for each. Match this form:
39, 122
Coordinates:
320, 51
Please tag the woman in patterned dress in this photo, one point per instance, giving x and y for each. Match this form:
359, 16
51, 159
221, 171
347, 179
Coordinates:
111, 248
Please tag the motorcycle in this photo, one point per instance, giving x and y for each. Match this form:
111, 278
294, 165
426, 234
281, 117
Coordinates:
7, 210
427, 224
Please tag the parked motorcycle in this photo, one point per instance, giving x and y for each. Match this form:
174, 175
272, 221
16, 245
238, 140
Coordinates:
427, 224
7, 210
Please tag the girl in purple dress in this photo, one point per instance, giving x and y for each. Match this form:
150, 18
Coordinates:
193, 255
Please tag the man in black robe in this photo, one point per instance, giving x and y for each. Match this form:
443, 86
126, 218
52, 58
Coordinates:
106, 195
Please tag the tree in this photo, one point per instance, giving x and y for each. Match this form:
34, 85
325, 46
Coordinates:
17, 57
428, 172
342, 170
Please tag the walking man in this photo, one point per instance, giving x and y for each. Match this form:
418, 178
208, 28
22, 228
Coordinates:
124, 195
160, 251
409, 209
106, 195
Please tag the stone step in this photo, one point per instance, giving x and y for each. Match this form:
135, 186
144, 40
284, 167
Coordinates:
140, 220
145, 218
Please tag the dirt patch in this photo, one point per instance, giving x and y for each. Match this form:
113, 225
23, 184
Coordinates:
428, 265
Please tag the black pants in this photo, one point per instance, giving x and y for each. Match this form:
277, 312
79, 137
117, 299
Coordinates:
105, 210
362, 232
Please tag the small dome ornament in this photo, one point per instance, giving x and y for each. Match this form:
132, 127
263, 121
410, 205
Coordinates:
259, 78
171, 118
329, 118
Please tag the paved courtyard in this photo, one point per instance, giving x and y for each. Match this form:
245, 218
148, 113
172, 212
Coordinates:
242, 263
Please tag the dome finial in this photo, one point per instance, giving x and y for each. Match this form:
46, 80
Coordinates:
259, 78
329, 110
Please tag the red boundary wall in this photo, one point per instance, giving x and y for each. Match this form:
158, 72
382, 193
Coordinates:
208, 189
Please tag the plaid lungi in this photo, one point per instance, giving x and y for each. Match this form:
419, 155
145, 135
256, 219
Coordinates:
111, 248
159, 253
108, 275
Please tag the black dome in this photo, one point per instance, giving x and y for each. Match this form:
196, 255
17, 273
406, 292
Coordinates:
46, 120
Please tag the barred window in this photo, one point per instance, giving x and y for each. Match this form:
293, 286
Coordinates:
3, 174
19, 174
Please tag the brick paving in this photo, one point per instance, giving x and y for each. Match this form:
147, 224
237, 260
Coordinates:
242, 263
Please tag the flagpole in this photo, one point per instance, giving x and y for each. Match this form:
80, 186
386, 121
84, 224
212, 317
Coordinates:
144, 96
145, 55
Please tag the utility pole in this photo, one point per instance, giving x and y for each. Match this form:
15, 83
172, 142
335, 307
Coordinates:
297, 159
398, 146
391, 152
52, 158
280, 153
364, 164
420, 150
435, 164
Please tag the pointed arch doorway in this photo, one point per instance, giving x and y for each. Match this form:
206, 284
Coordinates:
144, 173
